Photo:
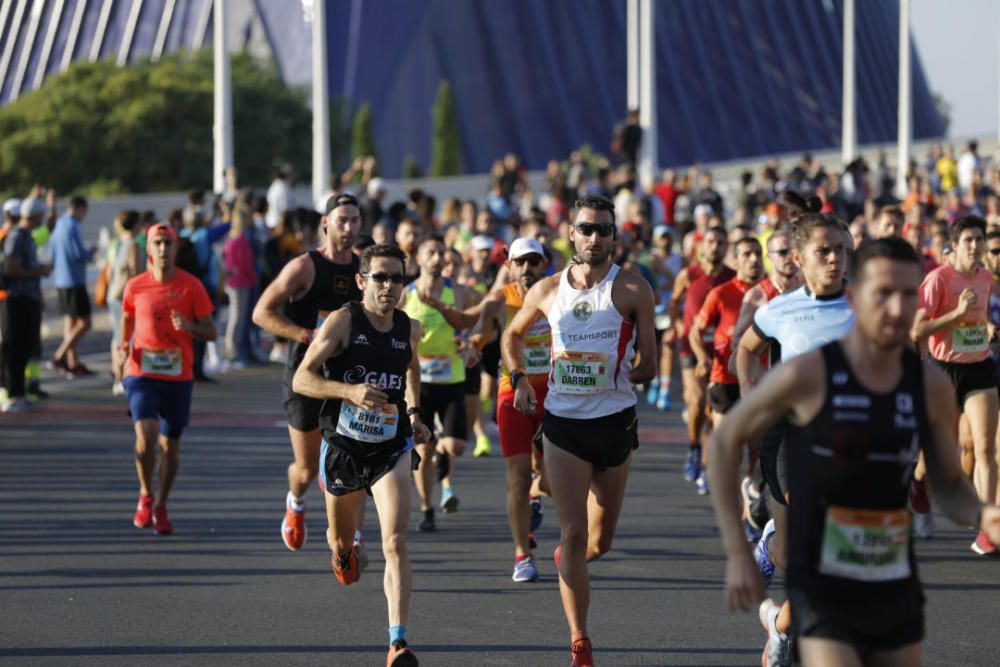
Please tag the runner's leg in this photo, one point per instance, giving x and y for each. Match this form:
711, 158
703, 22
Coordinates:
569, 480
170, 462
604, 505
816, 652
423, 478
341, 515
147, 432
305, 464
981, 408
518, 508
967, 445
907, 656
392, 501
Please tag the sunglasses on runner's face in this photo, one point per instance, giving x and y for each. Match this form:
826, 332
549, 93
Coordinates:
533, 260
783, 252
588, 228
995, 251
394, 278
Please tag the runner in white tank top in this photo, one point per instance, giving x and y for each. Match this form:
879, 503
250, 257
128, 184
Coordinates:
603, 343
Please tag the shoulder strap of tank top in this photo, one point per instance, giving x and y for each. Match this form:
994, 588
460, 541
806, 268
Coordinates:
834, 359
612, 273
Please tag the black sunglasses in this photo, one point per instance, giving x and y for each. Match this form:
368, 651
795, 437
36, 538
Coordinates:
394, 278
533, 260
995, 251
588, 228
783, 252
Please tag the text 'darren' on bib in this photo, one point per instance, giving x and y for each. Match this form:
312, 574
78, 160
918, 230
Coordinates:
866, 545
581, 372
435, 369
368, 425
161, 362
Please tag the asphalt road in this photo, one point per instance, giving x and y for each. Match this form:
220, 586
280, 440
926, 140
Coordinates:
79, 585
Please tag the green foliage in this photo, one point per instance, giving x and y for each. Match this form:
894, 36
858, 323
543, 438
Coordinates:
363, 133
446, 143
412, 168
148, 127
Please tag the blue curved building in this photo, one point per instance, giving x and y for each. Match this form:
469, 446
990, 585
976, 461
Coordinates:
735, 78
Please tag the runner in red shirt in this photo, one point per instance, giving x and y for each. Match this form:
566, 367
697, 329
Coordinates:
165, 308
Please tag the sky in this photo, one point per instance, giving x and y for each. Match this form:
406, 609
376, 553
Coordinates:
960, 52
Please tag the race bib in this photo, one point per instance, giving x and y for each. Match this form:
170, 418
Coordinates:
866, 545
662, 321
581, 372
969, 338
160, 362
537, 359
368, 426
435, 369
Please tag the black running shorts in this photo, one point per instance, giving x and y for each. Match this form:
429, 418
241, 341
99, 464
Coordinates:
491, 358
301, 411
473, 380
74, 301
723, 396
605, 442
774, 462
447, 402
969, 378
345, 469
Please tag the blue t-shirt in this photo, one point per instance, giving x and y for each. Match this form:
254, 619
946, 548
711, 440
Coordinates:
69, 255
800, 321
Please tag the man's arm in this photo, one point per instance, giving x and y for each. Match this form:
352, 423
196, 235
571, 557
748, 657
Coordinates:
702, 321
462, 316
293, 281
421, 434
486, 327
125, 329
680, 291
748, 370
512, 342
201, 327
640, 299
924, 325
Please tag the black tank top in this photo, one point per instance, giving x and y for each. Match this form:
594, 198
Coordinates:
849, 476
376, 358
333, 285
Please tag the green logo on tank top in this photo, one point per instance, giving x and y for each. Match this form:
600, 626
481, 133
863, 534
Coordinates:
582, 310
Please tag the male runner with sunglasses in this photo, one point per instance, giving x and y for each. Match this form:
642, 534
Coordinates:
363, 366
526, 265
293, 306
603, 342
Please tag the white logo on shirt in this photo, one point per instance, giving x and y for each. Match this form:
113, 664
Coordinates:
361, 339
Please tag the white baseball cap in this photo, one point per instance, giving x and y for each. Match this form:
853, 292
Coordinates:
482, 242
525, 246
12, 207
32, 206
375, 186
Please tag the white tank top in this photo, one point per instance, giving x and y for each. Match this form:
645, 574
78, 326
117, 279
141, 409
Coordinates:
592, 352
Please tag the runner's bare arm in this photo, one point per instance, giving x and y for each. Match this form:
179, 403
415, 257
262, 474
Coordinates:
748, 370
752, 300
779, 395
697, 343
125, 329
486, 327
331, 340
639, 296
463, 315
952, 489
680, 291
421, 434
924, 325
293, 282
202, 328
536, 303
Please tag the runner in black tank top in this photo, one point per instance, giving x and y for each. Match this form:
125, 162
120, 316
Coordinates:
293, 305
855, 430
363, 365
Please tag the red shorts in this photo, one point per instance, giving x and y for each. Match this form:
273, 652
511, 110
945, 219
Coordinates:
517, 430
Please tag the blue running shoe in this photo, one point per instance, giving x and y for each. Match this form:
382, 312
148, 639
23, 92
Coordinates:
751, 533
525, 570
760, 552
702, 483
692, 468
663, 402
653, 392
536, 513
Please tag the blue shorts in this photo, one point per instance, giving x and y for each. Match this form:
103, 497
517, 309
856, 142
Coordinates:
168, 400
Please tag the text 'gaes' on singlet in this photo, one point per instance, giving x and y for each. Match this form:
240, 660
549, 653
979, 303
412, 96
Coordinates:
440, 362
592, 351
851, 470
376, 358
800, 321
333, 285
537, 339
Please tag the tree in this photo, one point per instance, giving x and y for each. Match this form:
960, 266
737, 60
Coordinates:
411, 168
148, 127
446, 143
363, 133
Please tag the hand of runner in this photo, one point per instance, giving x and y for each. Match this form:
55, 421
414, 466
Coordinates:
990, 523
703, 368
744, 587
368, 396
524, 398
430, 300
470, 355
966, 300
180, 324
121, 358
421, 434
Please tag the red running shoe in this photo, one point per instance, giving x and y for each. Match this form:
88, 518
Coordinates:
557, 556
581, 652
293, 529
983, 546
161, 522
400, 655
143, 512
346, 568
919, 500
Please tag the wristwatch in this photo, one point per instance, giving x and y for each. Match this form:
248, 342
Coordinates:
515, 377
414, 411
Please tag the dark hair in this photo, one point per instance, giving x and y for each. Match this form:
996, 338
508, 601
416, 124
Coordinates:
748, 239
967, 222
78, 202
148, 217
196, 197
596, 203
128, 219
175, 214
721, 231
259, 205
363, 242
433, 237
799, 205
381, 250
892, 210
893, 248
415, 195
340, 200
801, 229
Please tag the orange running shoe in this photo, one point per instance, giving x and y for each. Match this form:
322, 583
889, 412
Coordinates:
293, 529
400, 655
581, 652
346, 568
161, 523
143, 512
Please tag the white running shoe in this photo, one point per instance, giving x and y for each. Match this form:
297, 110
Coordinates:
778, 650
923, 525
